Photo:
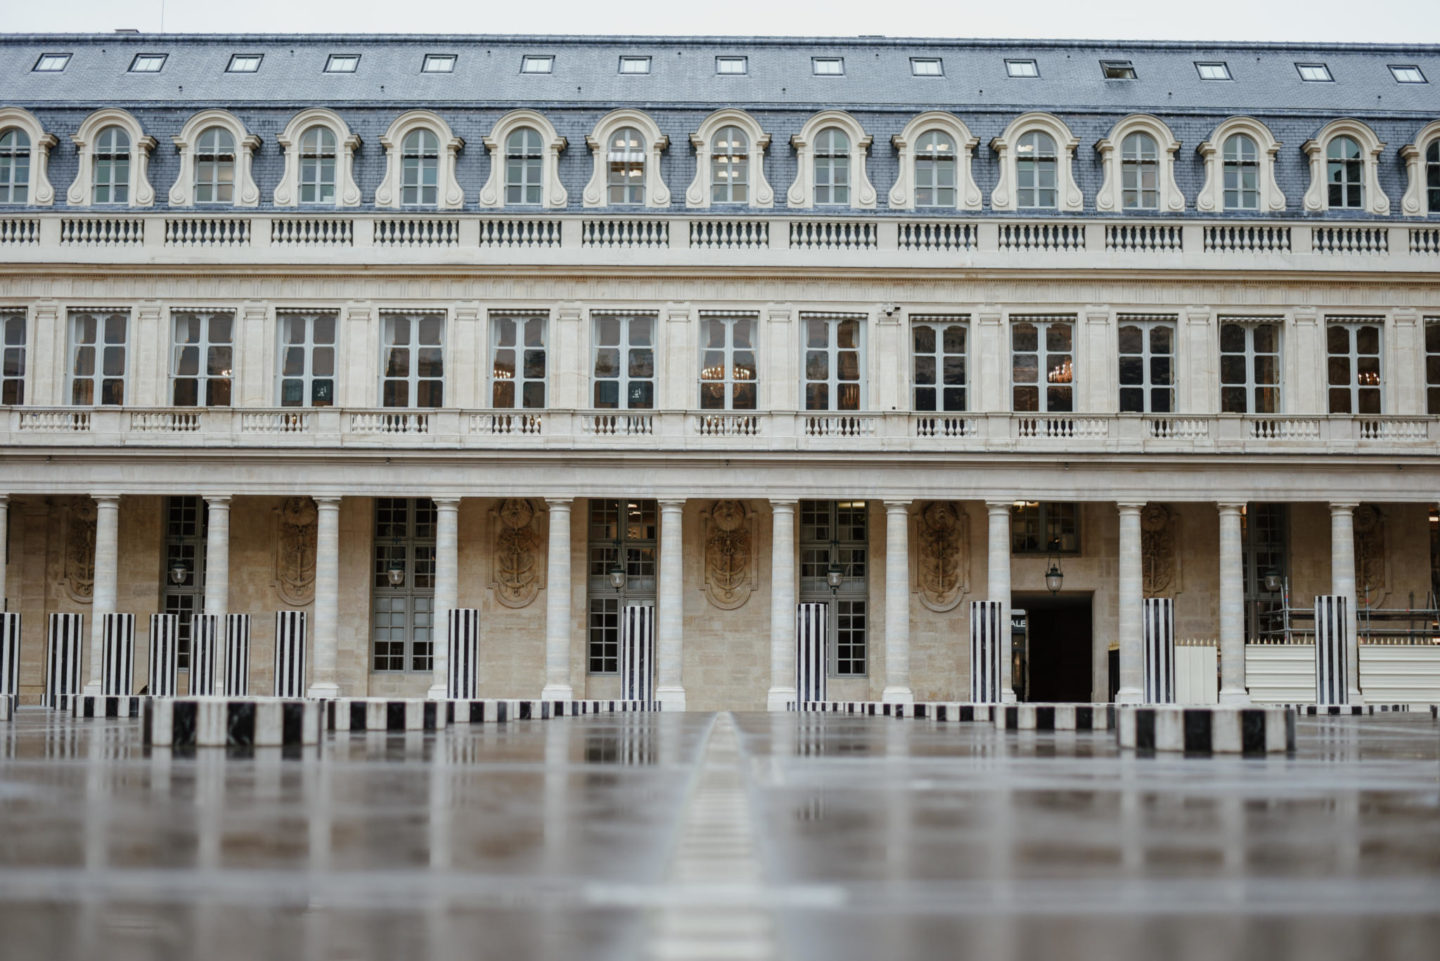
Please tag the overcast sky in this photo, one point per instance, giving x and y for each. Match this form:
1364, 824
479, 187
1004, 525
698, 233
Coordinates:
1391, 21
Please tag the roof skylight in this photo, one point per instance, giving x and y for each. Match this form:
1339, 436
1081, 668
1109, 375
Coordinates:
827, 66
1117, 69
732, 65
537, 63
148, 63
1214, 70
1407, 73
1022, 68
634, 64
244, 62
51, 62
1314, 72
438, 63
927, 67
342, 62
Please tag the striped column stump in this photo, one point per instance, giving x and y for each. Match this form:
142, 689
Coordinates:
117, 669
64, 642
1348, 710
101, 705
810, 634
164, 655
462, 670
9, 654
289, 653
987, 647
1331, 682
637, 653
1158, 636
384, 714
7, 707
230, 722
237, 656
1055, 717
1208, 730
204, 654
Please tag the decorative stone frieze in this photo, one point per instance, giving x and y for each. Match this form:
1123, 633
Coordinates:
517, 565
728, 529
295, 551
940, 539
78, 577
1159, 534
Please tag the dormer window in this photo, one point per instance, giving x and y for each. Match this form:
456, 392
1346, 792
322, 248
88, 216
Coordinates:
438, 63
244, 63
148, 63
732, 66
1117, 69
52, 62
1023, 69
927, 67
1215, 70
827, 66
1314, 73
537, 63
634, 64
342, 63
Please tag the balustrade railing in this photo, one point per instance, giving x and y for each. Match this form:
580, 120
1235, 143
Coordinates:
625, 233
1246, 238
1037, 235
938, 235
313, 231
102, 231
207, 231
1144, 237
834, 235
730, 234
417, 232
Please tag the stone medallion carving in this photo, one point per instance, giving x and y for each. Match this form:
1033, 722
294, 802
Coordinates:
1159, 557
729, 535
518, 569
1371, 580
79, 541
941, 535
295, 551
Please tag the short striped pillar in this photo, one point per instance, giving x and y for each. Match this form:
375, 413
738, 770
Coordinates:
987, 647
62, 659
9, 653
289, 653
117, 669
462, 670
810, 634
1331, 683
1158, 636
637, 653
164, 655
204, 654
237, 656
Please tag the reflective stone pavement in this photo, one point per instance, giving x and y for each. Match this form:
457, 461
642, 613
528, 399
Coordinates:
745, 836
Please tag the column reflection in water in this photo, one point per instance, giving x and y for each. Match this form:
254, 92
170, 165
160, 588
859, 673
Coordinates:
316, 778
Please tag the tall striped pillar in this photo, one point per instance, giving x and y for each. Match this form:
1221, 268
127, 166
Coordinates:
810, 634
989, 630
997, 570
1159, 637
117, 676
62, 659
290, 654
1331, 640
164, 655
237, 656
204, 654
637, 653
9, 651
463, 641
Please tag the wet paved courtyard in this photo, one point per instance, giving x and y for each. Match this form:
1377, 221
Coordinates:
672, 836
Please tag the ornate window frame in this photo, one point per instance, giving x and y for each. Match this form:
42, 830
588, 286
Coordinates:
1416, 201
552, 193
656, 193
1212, 195
82, 191
761, 193
1111, 195
448, 196
40, 194
347, 192
967, 193
246, 193
1317, 197
1068, 195
802, 191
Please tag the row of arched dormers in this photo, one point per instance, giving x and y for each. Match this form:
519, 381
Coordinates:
1035, 156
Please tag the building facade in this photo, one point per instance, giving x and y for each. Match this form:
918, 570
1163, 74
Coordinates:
553, 328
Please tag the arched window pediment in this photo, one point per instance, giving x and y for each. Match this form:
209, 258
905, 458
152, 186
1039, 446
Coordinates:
38, 191
347, 192
1418, 201
967, 192
1112, 190
553, 192
802, 191
86, 137
703, 139
448, 195
246, 194
1004, 196
656, 193
1317, 200
1212, 150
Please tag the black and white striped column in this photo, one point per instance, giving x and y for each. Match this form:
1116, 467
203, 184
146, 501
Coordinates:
1331, 624
462, 668
62, 659
164, 655
237, 656
117, 673
9, 652
988, 633
204, 654
1158, 634
289, 653
810, 634
637, 653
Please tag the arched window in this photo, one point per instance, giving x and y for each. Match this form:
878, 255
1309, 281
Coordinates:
832, 167
14, 167
935, 170
730, 167
419, 169
1035, 162
1345, 173
1139, 172
215, 167
112, 167
1242, 173
1432, 175
317, 166
524, 167
625, 166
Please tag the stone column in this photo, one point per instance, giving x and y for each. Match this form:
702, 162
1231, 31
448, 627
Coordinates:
1342, 582
107, 574
1132, 593
326, 623
217, 555
1232, 607
670, 613
998, 574
782, 605
897, 604
557, 603
447, 587
4, 544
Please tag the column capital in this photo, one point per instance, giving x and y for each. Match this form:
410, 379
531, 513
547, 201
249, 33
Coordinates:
897, 507
324, 501
218, 500
783, 506
1343, 507
446, 502
1130, 507
995, 507
671, 503
1230, 507
106, 500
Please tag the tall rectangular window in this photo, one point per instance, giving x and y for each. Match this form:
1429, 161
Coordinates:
1042, 363
517, 361
403, 584
623, 537
1265, 533
834, 361
306, 358
1040, 527
1147, 364
12, 362
940, 360
835, 534
201, 358
98, 340
1249, 365
624, 371
412, 359
727, 363
185, 530
1432, 365
1353, 348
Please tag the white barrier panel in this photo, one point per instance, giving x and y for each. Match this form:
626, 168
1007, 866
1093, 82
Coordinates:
1331, 683
237, 656
62, 659
987, 647
289, 653
463, 667
637, 653
1195, 679
117, 669
1158, 633
164, 671
9, 654
810, 636
204, 654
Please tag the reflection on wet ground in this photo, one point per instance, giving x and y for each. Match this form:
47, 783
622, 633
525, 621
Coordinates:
580, 837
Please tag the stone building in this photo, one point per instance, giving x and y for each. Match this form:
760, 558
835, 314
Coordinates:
381, 327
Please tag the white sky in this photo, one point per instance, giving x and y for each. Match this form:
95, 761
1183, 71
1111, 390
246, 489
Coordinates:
1390, 21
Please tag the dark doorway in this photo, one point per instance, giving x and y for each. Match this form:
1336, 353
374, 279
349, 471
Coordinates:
1059, 658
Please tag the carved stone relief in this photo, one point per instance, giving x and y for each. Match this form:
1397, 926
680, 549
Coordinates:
1159, 550
940, 535
1371, 576
78, 578
728, 531
518, 568
295, 551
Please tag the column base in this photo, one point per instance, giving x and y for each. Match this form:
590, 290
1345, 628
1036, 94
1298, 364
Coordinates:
437, 692
1129, 695
92, 690
898, 695
1354, 696
778, 698
323, 689
1235, 697
671, 699
1007, 696
557, 692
